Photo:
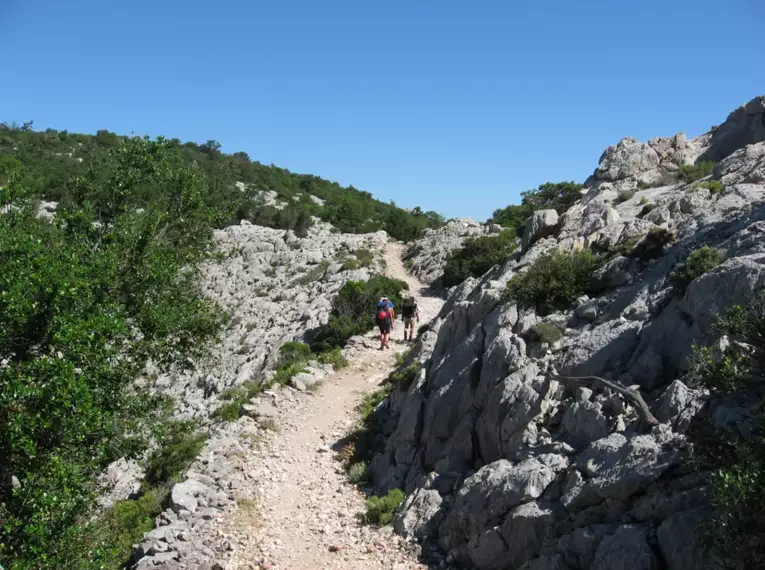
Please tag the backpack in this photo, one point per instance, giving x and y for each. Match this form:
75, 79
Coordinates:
382, 313
410, 307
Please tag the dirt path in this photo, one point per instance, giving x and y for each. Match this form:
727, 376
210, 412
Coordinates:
307, 513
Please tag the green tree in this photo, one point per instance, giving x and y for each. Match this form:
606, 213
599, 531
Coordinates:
477, 256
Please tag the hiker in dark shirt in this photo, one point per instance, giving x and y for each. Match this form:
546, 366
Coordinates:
410, 312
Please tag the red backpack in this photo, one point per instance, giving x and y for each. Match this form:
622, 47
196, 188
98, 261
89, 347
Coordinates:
382, 313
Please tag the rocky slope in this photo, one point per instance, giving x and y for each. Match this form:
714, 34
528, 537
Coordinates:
507, 467
427, 256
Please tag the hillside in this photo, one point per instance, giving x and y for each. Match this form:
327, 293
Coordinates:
594, 401
238, 187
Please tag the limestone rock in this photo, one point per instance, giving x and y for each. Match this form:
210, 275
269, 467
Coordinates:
541, 224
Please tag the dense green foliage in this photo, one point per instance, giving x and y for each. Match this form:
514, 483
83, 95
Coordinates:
405, 376
353, 310
233, 400
84, 303
477, 256
51, 158
692, 172
553, 282
714, 186
380, 509
547, 332
699, 261
559, 196
736, 454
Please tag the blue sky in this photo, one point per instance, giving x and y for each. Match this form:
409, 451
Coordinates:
454, 106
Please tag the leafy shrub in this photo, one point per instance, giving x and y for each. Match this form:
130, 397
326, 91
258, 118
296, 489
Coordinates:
643, 201
693, 172
84, 306
699, 261
358, 473
477, 256
652, 244
559, 196
380, 509
294, 352
285, 373
714, 186
405, 376
234, 398
548, 333
373, 399
365, 257
353, 310
625, 195
422, 329
402, 356
177, 451
737, 529
643, 185
554, 281
334, 357
350, 265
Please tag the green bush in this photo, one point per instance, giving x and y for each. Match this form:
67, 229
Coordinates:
548, 332
380, 509
477, 256
625, 195
358, 473
693, 172
699, 262
313, 275
293, 353
234, 398
737, 457
86, 301
285, 373
559, 196
365, 257
405, 376
423, 329
334, 357
373, 399
643, 201
714, 186
350, 265
553, 282
179, 447
353, 310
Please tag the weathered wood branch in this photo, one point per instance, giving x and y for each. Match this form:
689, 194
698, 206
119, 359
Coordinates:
632, 395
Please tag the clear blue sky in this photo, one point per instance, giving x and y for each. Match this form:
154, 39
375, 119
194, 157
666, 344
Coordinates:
454, 106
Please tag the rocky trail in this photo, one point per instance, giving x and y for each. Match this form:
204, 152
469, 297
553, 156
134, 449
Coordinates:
306, 514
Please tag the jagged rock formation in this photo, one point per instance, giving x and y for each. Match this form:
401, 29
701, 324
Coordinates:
427, 256
507, 465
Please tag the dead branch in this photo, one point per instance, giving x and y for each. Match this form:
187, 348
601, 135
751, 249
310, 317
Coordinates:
632, 395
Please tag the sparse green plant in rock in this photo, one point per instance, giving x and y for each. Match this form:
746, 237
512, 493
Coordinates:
284, 374
379, 510
625, 195
178, 448
642, 185
402, 356
559, 196
365, 257
477, 256
423, 329
714, 186
350, 265
643, 201
373, 399
334, 357
313, 275
405, 376
699, 262
548, 333
553, 281
693, 172
294, 352
358, 473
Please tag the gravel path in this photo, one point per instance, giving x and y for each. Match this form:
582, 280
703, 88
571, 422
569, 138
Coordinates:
306, 514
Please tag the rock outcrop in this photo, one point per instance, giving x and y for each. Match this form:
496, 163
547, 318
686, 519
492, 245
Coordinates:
427, 256
507, 461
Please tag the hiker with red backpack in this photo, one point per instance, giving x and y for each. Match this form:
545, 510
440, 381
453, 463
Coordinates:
385, 321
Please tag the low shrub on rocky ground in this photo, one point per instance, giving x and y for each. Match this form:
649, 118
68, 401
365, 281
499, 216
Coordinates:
714, 186
405, 376
477, 256
358, 473
699, 262
650, 246
379, 510
733, 369
553, 282
692, 172
352, 311
548, 332
625, 195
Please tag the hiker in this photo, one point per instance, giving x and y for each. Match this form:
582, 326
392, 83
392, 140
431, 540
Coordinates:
385, 316
410, 312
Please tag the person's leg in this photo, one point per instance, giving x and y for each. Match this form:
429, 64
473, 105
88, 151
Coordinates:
382, 336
